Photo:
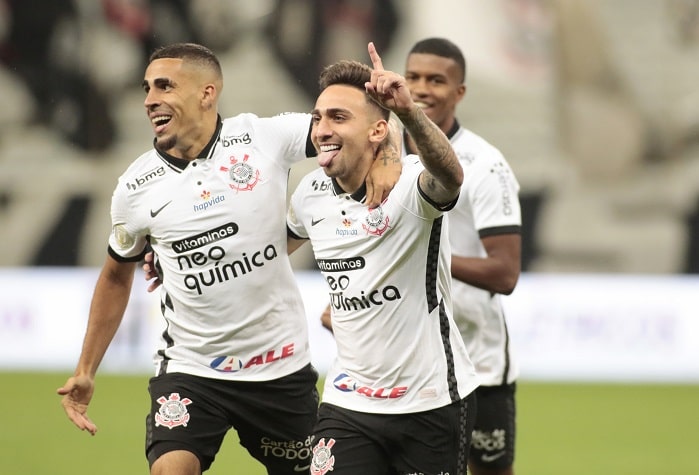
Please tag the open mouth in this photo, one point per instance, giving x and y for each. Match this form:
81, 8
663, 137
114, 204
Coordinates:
327, 153
160, 121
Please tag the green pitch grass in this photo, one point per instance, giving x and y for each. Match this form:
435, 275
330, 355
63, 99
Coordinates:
566, 429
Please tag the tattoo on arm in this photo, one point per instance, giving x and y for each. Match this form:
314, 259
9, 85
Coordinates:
434, 149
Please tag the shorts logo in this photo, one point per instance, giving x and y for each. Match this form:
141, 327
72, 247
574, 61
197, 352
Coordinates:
173, 411
491, 458
323, 459
243, 176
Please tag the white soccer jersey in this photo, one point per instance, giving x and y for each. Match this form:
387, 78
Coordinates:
387, 269
488, 205
230, 301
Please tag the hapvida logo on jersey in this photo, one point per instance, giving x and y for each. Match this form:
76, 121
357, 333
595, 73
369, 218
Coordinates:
242, 175
233, 364
347, 229
345, 383
208, 201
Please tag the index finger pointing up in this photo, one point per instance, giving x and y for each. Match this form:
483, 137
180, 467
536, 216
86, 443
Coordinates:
375, 58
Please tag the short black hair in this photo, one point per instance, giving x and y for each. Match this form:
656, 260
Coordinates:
349, 73
190, 52
444, 48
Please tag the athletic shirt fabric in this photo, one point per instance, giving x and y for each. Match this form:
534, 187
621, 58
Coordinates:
488, 205
229, 298
387, 269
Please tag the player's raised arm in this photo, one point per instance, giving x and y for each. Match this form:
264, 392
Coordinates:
443, 175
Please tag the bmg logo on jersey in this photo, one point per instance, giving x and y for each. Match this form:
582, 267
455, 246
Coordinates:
345, 383
144, 178
231, 140
323, 185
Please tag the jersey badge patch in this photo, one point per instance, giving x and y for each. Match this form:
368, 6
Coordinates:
323, 459
173, 411
242, 175
376, 222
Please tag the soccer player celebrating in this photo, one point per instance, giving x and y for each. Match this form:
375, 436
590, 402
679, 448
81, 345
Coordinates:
399, 396
210, 198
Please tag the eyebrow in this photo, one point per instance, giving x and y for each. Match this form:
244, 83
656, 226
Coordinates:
157, 82
427, 75
332, 110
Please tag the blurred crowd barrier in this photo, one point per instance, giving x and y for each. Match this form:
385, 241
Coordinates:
574, 327
594, 103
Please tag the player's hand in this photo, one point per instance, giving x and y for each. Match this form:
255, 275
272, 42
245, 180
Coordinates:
151, 274
325, 319
387, 88
77, 393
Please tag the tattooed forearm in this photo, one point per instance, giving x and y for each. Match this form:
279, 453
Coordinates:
445, 174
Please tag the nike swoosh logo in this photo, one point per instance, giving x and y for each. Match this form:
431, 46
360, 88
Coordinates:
316, 221
298, 468
155, 213
490, 458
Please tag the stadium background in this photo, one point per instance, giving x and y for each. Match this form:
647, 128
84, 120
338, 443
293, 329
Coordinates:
595, 103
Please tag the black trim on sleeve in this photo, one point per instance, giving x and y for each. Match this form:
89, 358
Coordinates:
442, 207
498, 230
119, 258
293, 235
310, 149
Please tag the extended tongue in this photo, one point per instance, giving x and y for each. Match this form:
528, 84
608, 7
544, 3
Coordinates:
324, 158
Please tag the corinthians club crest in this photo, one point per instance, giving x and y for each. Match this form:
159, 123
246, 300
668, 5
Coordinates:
376, 222
242, 175
323, 460
173, 411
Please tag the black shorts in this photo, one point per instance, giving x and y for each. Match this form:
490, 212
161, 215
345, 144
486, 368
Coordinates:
431, 442
274, 419
493, 442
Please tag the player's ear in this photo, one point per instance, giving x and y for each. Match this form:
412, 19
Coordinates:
208, 99
379, 131
460, 92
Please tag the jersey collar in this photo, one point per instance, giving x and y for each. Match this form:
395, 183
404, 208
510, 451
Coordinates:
207, 152
359, 195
